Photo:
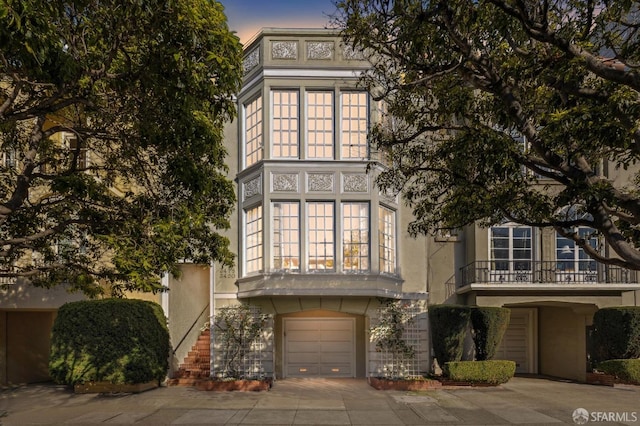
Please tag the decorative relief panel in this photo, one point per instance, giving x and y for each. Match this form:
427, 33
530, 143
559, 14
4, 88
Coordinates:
284, 50
354, 183
253, 187
319, 50
389, 196
320, 182
285, 182
349, 53
251, 61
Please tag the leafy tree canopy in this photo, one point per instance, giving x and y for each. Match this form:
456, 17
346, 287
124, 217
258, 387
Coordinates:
141, 91
527, 111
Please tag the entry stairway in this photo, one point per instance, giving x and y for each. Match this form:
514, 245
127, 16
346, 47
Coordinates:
196, 365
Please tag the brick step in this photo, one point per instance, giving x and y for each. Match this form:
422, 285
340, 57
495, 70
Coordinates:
183, 374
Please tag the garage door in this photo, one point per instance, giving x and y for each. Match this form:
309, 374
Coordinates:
518, 343
319, 347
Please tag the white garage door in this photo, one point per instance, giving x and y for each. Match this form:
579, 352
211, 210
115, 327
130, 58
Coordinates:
518, 343
319, 347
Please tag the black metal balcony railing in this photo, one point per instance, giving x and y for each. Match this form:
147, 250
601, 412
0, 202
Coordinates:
558, 272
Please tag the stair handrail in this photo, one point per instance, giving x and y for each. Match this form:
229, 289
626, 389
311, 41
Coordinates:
190, 328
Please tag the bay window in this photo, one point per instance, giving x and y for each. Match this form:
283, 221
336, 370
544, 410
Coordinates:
253, 240
354, 114
285, 124
320, 125
253, 131
286, 236
321, 252
387, 240
355, 236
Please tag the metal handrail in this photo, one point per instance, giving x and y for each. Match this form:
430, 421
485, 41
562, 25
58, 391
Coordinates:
189, 330
537, 271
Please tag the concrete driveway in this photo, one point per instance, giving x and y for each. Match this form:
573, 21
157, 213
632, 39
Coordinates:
533, 401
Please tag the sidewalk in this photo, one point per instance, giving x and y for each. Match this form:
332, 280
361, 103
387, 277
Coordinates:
324, 402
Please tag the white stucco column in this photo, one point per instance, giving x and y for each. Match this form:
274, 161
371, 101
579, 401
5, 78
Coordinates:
164, 296
212, 312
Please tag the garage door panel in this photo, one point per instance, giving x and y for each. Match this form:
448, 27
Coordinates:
517, 341
336, 335
336, 347
319, 347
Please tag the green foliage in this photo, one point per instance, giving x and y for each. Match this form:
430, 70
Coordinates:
626, 370
449, 324
488, 105
491, 371
113, 340
237, 330
388, 332
488, 325
616, 333
146, 88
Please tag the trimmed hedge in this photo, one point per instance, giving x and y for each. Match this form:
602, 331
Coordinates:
449, 325
616, 333
492, 372
113, 340
488, 325
626, 370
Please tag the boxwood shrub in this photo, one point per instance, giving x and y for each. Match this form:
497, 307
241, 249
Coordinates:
488, 324
492, 372
112, 340
449, 325
626, 370
616, 333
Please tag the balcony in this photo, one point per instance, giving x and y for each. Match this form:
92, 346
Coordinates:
557, 273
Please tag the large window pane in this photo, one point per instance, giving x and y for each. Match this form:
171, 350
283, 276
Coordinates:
570, 257
321, 238
253, 132
320, 125
511, 248
354, 124
387, 240
286, 236
285, 124
355, 236
253, 243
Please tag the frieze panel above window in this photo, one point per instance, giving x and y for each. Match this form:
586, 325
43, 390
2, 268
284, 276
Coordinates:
251, 61
354, 183
284, 50
319, 50
253, 187
285, 182
320, 182
349, 53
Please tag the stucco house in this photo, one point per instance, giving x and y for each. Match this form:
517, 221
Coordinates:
320, 248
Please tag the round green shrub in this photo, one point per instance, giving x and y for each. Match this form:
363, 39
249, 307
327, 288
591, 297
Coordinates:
616, 333
449, 325
626, 370
492, 372
488, 325
113, 340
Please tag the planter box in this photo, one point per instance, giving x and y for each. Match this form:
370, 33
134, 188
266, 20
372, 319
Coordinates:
234, 385
600, 379
404, 385
107, 387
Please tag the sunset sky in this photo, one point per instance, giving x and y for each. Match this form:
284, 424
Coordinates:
247, 17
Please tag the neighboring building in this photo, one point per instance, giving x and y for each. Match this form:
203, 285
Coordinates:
321, 249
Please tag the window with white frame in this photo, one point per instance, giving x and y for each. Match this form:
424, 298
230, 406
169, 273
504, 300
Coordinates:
284, 142
321, 246
253, 131
253, 240
354, 122
572, 258
387, 240
319, 125
511, 248
355, 236
286, 236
